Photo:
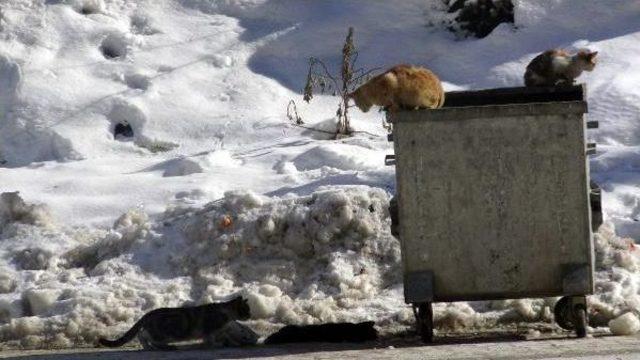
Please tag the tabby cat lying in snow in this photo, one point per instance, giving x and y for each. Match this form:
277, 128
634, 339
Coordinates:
160, 327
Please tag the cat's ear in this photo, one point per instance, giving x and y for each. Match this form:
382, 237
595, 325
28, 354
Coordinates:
593, 55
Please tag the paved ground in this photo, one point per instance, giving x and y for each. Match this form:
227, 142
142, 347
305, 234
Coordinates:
494, 347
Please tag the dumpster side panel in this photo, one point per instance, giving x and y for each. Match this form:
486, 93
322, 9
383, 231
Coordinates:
494, 207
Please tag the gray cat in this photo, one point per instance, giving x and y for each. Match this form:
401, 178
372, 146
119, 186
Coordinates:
558, 67
160, 327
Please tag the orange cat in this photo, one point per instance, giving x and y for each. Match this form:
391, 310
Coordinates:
558, 67
401, 87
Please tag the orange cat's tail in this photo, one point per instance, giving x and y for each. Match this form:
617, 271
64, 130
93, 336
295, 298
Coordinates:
441, 100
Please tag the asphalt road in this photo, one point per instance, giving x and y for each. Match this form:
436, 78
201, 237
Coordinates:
493, 347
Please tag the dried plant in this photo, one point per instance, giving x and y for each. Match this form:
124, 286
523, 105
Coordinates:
292, 113
320, 78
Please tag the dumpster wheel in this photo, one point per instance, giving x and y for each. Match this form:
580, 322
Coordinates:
424, 319
571, 314
580, 315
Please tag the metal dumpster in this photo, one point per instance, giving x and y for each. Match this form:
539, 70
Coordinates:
493, 200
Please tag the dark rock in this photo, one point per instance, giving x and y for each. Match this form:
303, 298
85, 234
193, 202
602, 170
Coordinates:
479, 17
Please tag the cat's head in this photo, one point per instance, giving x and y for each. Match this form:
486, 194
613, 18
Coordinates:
587, 59
361, 98
368, 327
365, 331
241, 307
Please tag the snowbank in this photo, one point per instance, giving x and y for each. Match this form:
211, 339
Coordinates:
339, 156
324, 257
318, 258
298, 260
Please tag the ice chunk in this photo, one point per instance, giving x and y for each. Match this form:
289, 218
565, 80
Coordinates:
625, 324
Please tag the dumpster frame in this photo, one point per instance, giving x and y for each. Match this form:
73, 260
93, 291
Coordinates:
563, 107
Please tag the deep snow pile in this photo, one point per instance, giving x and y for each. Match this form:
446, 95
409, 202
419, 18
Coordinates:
302, 260
323, 257
298, 260
107, 227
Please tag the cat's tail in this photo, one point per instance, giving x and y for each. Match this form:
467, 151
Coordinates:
441, 99
530, 78
124, 338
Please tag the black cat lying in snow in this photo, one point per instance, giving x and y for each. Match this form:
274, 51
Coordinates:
216, 325
337, 332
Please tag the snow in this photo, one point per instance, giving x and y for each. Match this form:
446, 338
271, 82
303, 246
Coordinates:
627, 324
338, 156
217, 193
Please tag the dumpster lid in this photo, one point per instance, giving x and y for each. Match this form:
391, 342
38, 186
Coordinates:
502, 102
515, 95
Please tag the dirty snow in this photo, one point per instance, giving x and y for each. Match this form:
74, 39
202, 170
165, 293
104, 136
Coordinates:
217, 193
627, 324
308, 259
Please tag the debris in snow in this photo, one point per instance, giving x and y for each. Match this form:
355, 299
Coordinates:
7, 281
32, 259
127, 229
14, 209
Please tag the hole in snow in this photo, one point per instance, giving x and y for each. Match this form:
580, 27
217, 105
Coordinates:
84, 7
137, 81
114, 47
88, 10
85, 10
122, 130
127, 120
88, 7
